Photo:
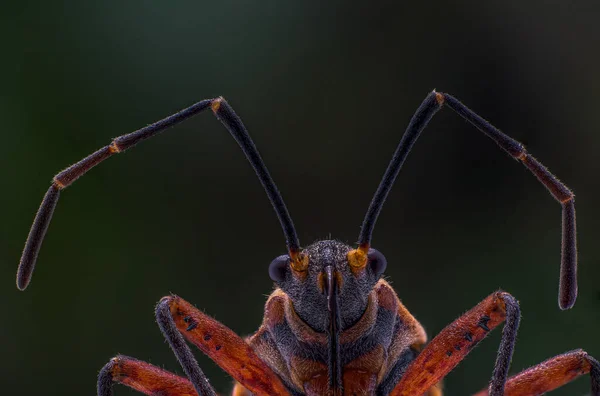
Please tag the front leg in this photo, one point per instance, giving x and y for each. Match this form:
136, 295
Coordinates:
453, 343
177, 317
552, 374
143, 377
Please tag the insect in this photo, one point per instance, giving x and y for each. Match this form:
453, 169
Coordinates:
333, 326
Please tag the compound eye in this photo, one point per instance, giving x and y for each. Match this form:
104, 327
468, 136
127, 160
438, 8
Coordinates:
279, 267
376, 261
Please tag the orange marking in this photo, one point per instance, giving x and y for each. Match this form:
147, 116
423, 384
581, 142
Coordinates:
321, 282
357, 259
440, 98
149, 379
310, 375
114, 148
547, 376
225, 348
410, 334
239, 390
567, 199
435, 391
274, 311
216, 104
58, 184
386, 297
359, 382
360, 375
279, 307
268, 353
339, 279
298, 261
450, 346
418, 332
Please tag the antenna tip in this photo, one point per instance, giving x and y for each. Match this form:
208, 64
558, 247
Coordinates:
23, 280
567, 301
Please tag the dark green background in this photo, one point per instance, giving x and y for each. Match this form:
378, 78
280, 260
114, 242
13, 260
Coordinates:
326, 90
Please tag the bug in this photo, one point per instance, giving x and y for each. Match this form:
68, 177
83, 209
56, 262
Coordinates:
333, 326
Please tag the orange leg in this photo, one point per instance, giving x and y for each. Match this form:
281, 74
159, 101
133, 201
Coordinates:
142, 377
553, 373
176, 317
453, 343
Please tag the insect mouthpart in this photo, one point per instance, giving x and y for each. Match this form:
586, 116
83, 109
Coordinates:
331, 289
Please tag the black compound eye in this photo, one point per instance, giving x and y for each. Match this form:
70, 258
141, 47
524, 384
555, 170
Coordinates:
377, 261
279, 267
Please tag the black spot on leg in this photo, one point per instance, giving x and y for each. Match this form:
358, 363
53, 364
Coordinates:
457, 347
469, 337
192, 326
218, 347
449, 353
483, 323
187, 319
207, 337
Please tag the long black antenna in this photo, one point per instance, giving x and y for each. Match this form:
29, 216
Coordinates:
234, 124
62, 180
567, 293
418, 122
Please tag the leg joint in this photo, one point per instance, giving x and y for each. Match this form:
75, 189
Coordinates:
114, 147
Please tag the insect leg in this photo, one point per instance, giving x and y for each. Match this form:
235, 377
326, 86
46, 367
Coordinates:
177, 317
552, 374
453, 343
143, 377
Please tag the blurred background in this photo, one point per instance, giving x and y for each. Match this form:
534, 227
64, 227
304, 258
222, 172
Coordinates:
326, 90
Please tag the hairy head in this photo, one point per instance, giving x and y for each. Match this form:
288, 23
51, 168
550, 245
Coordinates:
328, 263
